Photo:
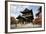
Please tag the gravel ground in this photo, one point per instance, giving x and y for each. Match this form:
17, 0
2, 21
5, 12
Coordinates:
30, 25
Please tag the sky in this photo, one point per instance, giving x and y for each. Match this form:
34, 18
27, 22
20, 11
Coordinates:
16, 9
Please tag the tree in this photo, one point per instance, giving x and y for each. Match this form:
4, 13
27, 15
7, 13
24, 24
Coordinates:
39, 15
40, 10
13, 20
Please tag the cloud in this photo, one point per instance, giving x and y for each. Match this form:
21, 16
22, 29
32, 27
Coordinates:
15, 10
